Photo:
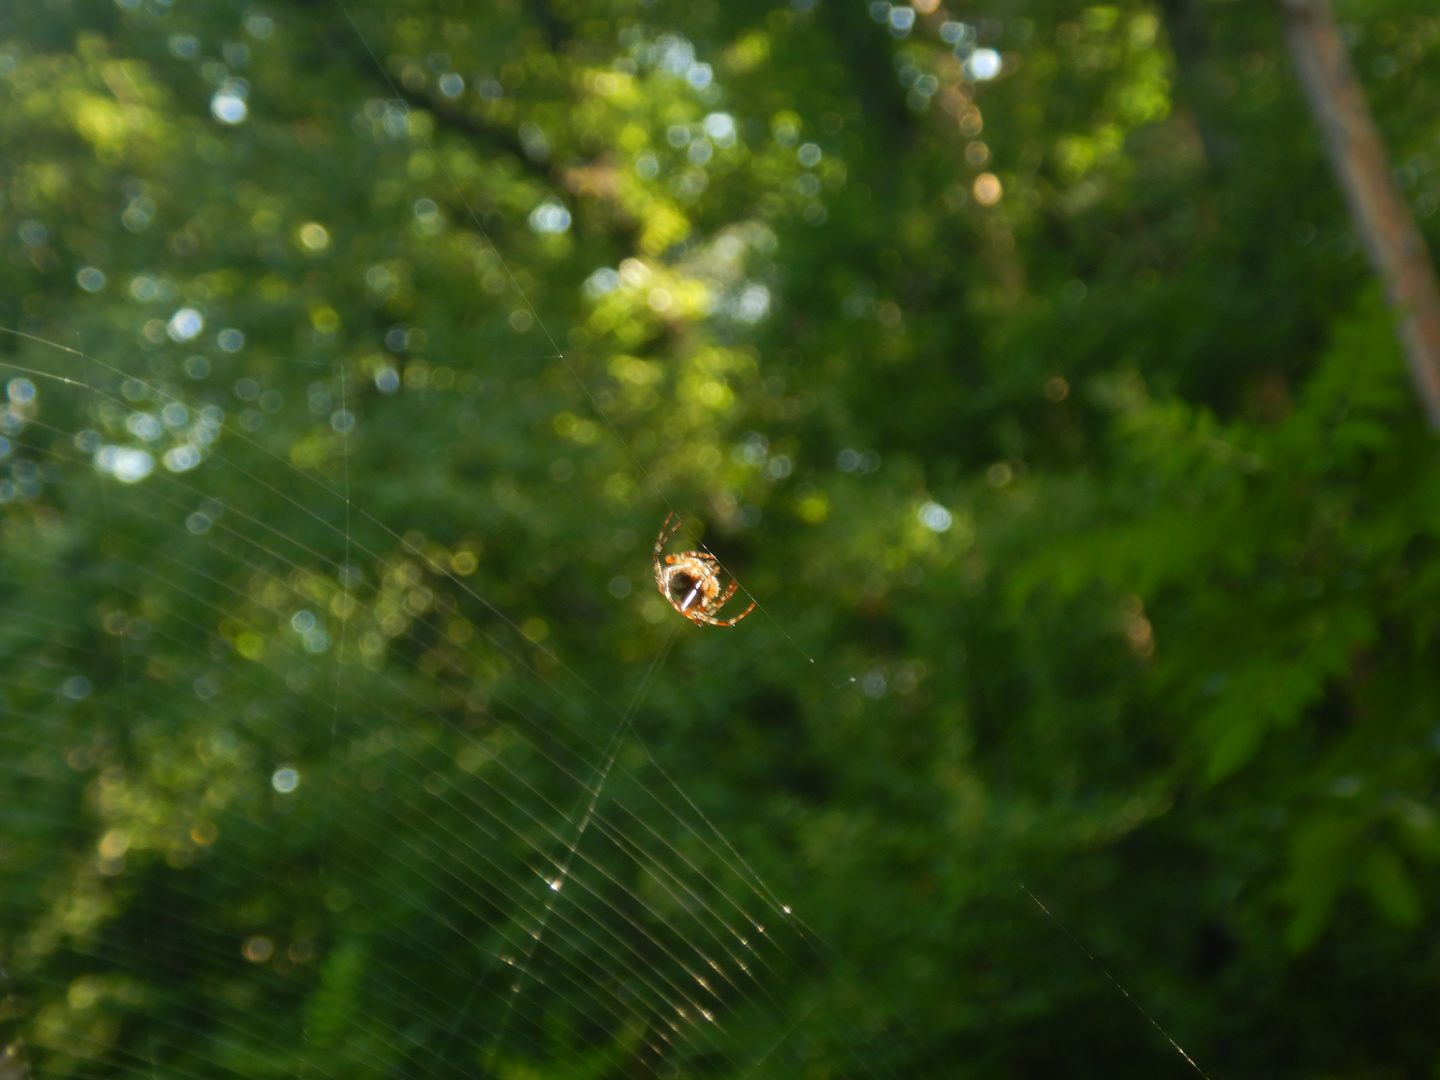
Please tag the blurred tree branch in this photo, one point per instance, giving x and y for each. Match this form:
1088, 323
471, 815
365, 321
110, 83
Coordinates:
497, 139
1358, 156
1198, 77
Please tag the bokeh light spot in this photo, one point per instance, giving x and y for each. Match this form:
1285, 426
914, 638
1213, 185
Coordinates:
987, 189
935, 517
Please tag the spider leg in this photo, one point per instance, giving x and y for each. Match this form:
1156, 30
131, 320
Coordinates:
737, 618
696, 556
667, 531
699, 616
714, 609
718, 604
661, 581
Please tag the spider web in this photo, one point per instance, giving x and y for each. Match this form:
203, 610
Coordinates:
303, 788
512, 832
468, 799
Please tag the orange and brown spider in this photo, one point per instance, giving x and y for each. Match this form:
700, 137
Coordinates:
690, 581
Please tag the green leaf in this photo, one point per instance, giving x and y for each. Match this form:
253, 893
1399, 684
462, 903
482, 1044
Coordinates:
1390, 887
1287, 671
1320, 855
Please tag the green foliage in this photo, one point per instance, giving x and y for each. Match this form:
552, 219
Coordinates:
353, 356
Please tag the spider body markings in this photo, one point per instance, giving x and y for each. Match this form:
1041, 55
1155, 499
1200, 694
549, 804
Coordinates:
690, 581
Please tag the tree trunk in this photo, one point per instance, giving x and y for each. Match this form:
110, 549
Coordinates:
1357, 154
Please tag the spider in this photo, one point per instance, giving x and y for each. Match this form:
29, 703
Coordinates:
694, 577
